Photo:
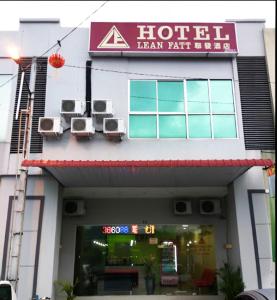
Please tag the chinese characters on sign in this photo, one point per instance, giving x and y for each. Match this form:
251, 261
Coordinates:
129, 229
163, 37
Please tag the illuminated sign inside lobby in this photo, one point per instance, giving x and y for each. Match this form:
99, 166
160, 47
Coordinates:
129, 229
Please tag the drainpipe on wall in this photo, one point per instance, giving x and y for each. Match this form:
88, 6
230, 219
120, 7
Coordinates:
88, 88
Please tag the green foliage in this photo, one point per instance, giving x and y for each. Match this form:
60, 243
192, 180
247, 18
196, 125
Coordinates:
231, 283
67, 287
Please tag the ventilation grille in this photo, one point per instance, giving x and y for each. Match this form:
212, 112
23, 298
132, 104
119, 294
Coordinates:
257, 115
99, 106
111, 125
79, 124
39, 105
68, 105
47, 124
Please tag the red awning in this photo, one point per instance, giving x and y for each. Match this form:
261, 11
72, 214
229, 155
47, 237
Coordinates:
146, 173
147, 163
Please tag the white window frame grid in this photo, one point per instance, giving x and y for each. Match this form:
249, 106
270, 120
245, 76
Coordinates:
185, 113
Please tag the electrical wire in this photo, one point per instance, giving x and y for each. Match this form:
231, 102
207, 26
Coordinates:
72, 30
10, 79
141, 74
58, 43
154, 75
130, 73
170, 99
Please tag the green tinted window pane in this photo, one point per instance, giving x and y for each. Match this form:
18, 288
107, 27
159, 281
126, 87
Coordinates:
171, 96
222, 96
198, 96
143, 126
143, 95
172, 126
224, 127
199, 127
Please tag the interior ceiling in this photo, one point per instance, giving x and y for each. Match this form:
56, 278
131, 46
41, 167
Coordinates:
146, 177
145, 192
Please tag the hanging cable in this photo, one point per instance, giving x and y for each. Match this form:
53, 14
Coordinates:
72, 30
146, 74
131, 73
10, 79
58, 43
88, 88
140, 74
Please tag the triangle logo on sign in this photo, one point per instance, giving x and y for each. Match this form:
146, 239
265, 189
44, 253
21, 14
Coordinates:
113, 39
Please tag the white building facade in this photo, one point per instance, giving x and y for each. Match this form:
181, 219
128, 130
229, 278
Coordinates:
176, 176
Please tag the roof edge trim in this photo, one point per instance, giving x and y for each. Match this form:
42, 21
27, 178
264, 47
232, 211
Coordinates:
147, 163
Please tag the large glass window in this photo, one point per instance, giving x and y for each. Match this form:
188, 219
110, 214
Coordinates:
172, 126
143, 126
126, 258
222, 96
182, 109
171, 96
200, 126
5, 101
198, 96
143, 95
163, 107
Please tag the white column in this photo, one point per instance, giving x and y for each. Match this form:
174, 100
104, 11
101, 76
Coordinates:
50, 237
6, 190
252, 179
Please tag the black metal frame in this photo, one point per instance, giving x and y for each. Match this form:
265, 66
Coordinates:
254, 233
6, 242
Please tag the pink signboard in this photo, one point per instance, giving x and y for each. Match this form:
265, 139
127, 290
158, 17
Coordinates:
170, 38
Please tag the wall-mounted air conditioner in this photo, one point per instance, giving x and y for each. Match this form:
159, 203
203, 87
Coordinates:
72, 108
50, 126
113, 127
102, 107
74, 208
182, 207
210, 207
82, 127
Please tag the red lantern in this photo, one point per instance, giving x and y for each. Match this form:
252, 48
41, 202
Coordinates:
56, 60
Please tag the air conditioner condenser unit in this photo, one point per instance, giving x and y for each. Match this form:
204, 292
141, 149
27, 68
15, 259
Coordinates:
113, 127
102, 107
182, 207
82, 127
50, 126
74, 208
72, 108
210, 207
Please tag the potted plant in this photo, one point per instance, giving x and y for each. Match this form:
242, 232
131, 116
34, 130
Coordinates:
231, 283
67, 287
149, 275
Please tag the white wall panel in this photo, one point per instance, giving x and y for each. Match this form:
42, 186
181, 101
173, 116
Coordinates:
253, 179
25, 286
28, 250
32, 215
263, 240
260, 208
267, 273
